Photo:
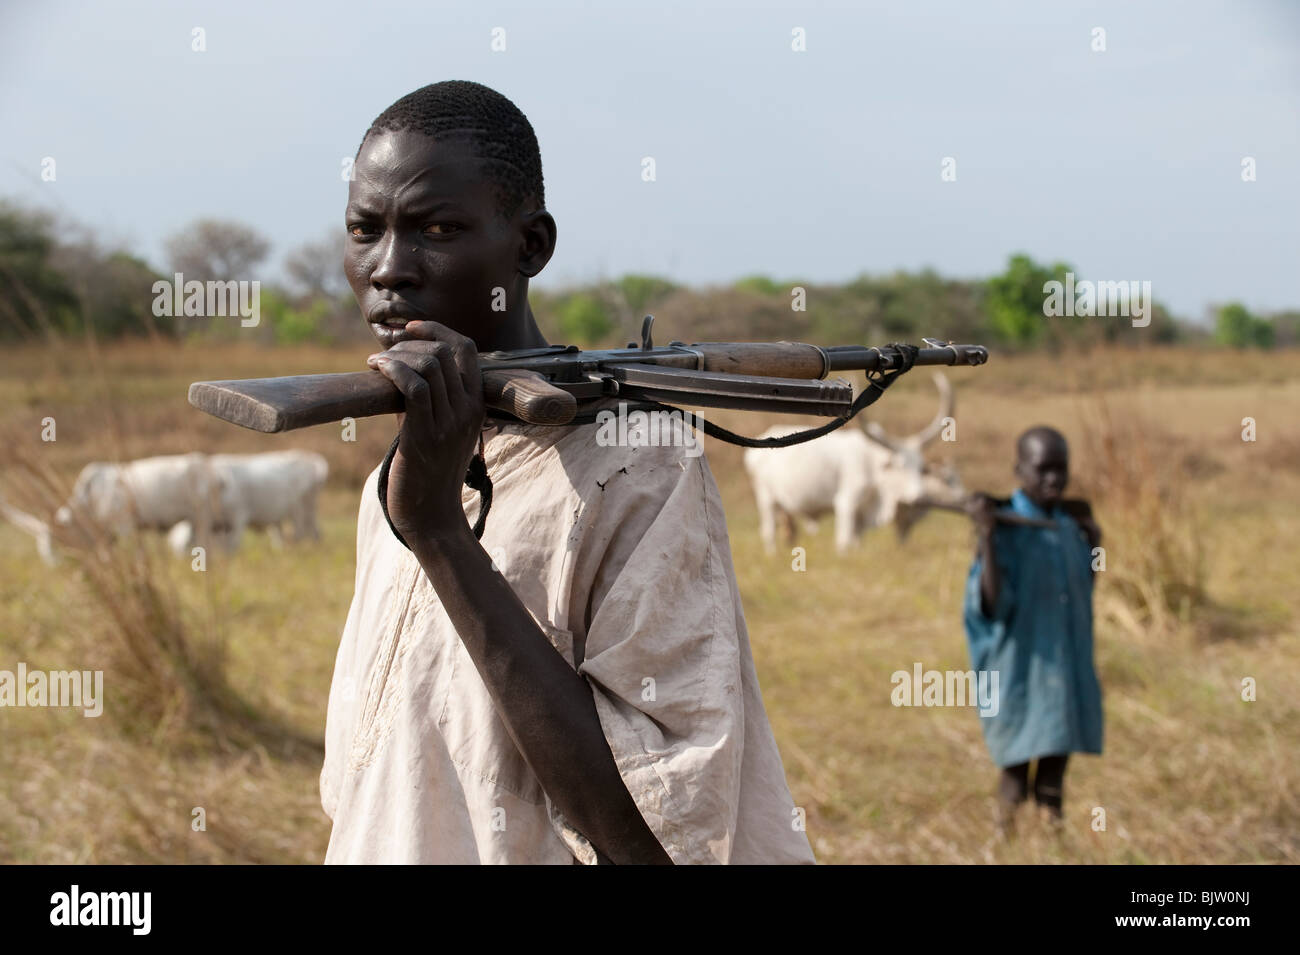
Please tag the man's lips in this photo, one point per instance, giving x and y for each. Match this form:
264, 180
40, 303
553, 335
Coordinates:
389, 315
389, 323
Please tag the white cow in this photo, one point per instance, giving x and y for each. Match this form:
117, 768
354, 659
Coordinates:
864, 477
151, 493
267, 491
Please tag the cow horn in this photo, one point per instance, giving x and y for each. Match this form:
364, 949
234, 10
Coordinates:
34, 526
946, 404
876, 433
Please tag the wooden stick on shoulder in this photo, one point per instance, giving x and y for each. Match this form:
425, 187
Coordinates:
1002, 517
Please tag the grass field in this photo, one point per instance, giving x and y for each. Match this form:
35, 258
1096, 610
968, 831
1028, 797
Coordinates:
1202, 590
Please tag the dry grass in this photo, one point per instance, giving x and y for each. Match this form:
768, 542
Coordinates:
1161, 583
217, 682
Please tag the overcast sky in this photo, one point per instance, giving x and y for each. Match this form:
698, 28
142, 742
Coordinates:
818, 165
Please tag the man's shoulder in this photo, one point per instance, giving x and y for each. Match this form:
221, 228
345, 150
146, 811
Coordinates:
651, 436
658, 446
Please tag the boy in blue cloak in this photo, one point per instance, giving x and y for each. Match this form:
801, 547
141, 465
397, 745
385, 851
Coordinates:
1028, 615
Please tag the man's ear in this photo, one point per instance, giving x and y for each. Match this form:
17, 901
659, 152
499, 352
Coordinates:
539, 234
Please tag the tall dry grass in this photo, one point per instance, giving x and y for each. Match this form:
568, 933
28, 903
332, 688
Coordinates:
176, 738
1156, 573
168, 666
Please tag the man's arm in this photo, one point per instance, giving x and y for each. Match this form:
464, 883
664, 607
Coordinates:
547, 708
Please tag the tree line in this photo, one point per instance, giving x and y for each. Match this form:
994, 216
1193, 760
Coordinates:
58, 280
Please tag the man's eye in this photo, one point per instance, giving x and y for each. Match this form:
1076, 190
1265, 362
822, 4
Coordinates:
442, 228
360, 230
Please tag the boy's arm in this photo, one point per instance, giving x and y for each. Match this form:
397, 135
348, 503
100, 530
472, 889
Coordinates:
1082, 513
983, 512
547, 708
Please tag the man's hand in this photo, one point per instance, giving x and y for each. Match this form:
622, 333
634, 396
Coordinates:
438, 374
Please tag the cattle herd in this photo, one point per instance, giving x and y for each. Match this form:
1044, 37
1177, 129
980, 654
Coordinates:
862, 476
196, 499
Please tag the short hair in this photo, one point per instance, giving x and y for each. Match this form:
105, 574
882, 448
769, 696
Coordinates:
499, 135
1039, 433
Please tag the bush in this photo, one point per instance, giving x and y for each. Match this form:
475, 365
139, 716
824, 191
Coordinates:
292, 325
584, 320
1238, 328
759, 285
1014, 299
643, 292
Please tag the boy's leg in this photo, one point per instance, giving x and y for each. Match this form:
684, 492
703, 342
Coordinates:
1013, 789
1049, 781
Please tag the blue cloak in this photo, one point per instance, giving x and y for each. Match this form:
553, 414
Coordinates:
1039, 638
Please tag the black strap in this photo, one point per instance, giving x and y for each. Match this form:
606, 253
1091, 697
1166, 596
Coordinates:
476, 477
870, 394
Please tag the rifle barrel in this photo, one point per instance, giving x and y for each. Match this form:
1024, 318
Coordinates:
865, 358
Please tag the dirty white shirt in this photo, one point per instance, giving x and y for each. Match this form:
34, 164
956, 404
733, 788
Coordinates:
621, 556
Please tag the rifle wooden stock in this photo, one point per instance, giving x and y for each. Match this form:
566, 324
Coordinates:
300, 401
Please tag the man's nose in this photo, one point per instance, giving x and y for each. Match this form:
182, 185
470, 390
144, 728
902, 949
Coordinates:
397, 267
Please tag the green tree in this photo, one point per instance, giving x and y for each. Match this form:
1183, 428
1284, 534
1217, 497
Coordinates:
1237, 327
642, 292
584, 320
35, 297
51, 287
291, 323
1014, 300
759, 285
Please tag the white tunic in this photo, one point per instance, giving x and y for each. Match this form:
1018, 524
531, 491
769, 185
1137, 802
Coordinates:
621, 555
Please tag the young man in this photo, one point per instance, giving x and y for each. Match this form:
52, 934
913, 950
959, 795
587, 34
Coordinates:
577, 685
1029, 616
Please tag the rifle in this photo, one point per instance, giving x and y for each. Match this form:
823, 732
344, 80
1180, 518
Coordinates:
545, 385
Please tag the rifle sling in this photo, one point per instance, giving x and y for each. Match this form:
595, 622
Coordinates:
476, 477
